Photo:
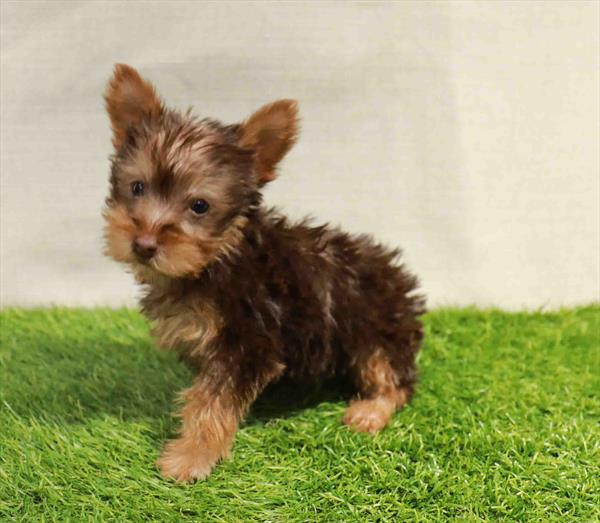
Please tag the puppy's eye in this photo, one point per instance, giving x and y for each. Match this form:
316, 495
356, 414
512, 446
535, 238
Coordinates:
199, 206
137, 188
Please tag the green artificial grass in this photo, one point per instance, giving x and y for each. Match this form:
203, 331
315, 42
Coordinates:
505, 425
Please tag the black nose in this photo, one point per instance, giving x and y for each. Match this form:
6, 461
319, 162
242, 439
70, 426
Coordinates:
145, 247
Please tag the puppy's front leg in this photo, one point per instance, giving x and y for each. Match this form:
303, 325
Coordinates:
214, 405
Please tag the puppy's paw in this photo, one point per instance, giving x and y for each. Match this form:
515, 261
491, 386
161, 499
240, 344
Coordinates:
186, 461
368, 415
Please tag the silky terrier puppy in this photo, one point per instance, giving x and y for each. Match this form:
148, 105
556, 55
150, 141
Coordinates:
245, 296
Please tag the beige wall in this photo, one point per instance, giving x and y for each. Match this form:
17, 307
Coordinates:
466, 132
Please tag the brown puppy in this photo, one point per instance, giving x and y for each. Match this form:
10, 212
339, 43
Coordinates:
242, 294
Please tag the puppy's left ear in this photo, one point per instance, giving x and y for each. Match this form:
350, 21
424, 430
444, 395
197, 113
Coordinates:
270, 132
129, 99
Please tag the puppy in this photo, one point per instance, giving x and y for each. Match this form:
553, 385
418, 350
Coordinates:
242, 294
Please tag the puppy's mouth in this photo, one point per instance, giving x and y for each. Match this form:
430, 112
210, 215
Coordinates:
141, 260
147, 273
157, 266
149, 264
144, 258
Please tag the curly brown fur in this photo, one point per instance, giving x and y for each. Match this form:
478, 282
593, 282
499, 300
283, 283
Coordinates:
245, 296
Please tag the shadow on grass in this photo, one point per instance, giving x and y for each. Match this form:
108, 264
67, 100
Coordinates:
67, 379
286, 399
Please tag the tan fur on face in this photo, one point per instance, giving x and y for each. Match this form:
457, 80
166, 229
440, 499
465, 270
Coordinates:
179, 254
231, 238
119, 232
186, 256
183, 155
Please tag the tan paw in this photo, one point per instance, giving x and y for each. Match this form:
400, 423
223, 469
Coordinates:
368, 415
186, 461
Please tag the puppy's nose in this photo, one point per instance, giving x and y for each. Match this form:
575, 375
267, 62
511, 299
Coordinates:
145, 246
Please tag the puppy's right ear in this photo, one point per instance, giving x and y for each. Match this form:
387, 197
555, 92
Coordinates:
129, 99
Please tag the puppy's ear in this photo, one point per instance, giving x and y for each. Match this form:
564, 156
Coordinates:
129, 99
270, 132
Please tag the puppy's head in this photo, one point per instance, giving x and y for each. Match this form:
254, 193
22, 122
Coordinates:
181, 189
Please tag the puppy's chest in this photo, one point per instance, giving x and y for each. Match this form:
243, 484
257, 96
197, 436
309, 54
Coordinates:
188, 328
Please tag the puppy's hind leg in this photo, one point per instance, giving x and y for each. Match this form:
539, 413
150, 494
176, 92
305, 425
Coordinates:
380, 393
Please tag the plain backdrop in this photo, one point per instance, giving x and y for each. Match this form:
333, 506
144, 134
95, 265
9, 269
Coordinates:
465, 132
